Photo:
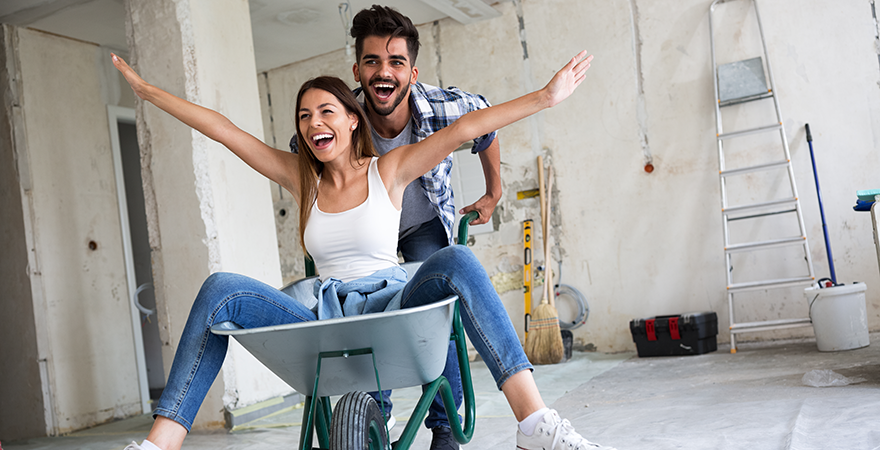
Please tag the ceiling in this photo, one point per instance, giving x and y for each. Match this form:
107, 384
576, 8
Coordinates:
284, 31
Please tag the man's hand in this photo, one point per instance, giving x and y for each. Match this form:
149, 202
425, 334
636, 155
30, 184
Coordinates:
490, 160
484, 207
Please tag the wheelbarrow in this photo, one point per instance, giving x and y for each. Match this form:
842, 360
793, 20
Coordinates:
350, 356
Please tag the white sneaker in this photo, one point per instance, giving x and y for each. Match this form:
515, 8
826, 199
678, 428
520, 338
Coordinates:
554, 433
133, 446
390, 423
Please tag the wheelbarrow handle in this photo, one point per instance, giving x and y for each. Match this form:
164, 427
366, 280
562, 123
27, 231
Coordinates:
463, 226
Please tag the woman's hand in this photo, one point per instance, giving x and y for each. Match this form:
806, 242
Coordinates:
277, 165
567, 79
134, 80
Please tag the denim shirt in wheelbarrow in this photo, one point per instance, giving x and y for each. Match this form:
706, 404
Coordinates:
331, 298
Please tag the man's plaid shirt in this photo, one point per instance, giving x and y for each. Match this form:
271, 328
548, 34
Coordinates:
434, 108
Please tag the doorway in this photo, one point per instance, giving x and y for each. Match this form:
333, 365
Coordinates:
139, 272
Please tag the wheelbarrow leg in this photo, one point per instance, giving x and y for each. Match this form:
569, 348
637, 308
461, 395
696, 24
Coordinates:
323, 425
462, 434
317, 421
308, 426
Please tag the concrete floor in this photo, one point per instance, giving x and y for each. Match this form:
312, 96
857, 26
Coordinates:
753, 399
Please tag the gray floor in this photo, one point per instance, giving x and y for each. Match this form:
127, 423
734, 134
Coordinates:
754, 399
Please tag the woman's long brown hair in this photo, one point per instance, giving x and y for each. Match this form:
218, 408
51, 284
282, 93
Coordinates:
309, 166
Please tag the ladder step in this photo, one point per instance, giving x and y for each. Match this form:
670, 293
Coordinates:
742, 133
759, 167
751, 98
780, 202
770, 284
769, 325
765, 244
755, 216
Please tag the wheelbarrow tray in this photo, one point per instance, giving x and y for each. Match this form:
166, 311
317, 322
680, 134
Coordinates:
409, 346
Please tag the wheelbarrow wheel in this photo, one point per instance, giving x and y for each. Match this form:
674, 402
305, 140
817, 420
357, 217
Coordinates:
357, 424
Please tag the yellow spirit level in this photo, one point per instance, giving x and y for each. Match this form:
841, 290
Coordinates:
527, 272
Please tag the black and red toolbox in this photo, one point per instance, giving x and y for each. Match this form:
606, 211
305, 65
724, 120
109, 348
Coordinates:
682, 334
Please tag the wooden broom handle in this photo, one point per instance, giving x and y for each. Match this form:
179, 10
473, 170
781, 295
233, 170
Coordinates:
541, 195
548, 271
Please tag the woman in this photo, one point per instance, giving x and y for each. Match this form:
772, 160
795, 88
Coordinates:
349, 214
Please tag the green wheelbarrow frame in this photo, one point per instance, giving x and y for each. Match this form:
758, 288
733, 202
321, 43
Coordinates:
318, 416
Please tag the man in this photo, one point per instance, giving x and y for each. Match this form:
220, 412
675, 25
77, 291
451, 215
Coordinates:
387, 74
402, 111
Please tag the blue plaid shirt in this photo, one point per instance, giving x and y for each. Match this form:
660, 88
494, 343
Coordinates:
434, 108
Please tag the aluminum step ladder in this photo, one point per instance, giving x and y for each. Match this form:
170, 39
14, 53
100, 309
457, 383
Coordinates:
737, 83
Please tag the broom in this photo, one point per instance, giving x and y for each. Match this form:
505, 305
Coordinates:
544, 340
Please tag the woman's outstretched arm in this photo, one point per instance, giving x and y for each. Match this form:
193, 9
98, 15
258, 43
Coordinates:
404, 164
279, 166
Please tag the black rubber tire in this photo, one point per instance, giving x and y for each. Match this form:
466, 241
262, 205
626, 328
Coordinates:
350, 429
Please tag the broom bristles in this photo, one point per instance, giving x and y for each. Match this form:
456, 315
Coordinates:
544, 341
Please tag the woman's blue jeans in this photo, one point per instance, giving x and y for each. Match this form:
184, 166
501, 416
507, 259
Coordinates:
251, 303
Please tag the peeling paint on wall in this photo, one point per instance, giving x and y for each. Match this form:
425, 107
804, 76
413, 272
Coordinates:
507, 281
201, 164
264, 80
528, 85
435, 33
151, 207
641, 110
876, 31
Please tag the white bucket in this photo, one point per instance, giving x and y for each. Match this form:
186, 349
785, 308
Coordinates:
840, 318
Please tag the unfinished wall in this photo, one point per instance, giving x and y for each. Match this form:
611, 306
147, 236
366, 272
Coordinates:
85, 313
207, 211
635, 243
19, 379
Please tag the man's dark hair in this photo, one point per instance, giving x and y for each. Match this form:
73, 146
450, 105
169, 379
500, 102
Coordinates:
383, 21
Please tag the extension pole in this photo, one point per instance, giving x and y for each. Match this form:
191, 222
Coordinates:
821, 209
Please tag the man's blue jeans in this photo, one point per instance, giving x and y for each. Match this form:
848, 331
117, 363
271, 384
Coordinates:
419, 245
251, 303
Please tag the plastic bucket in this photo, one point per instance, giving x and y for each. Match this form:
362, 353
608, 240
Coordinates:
840, 318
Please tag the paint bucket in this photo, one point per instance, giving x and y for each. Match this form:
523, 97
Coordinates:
839, 314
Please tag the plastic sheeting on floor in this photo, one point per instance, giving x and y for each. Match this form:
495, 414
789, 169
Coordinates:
754, 399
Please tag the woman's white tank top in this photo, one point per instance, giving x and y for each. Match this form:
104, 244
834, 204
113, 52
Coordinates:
355, 243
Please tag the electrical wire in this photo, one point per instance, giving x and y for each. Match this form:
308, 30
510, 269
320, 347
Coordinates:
137, 303
345, 17
573, 295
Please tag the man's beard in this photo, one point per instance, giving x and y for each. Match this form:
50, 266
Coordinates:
384, 111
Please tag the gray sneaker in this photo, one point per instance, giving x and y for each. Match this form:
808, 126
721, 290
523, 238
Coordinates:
554, 433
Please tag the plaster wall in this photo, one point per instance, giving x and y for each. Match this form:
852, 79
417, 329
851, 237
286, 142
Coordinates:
638, 244
207, 210
19, 352
177, 237
242, 206
76, 234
